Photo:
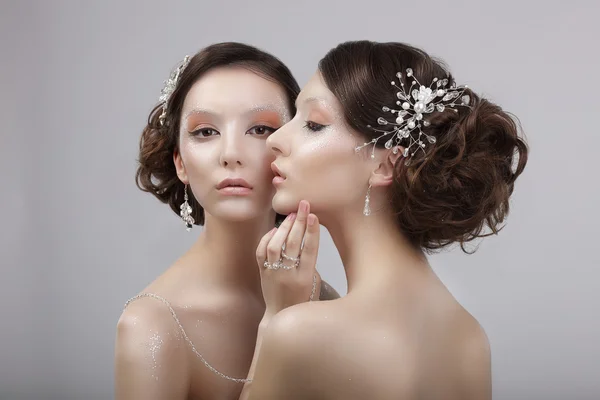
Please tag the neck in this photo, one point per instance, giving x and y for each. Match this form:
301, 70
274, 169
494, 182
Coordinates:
373, 250
227, 250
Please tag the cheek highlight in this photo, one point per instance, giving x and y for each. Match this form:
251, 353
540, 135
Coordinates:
323, 167
330, 142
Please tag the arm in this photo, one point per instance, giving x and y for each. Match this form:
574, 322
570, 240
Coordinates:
150, 358
282, 290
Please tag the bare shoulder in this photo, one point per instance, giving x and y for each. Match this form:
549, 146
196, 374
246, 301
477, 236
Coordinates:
475, 346
464, 332
474, 358
147, 324
290, 353
468, 336
144, 313
329, 350
306, 322
149, 351
475, 342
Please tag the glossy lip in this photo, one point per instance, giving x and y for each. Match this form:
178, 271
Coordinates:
279, 177
235, 191
278, 180
233, 183
276, 171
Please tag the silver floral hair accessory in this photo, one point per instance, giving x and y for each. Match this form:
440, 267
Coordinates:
419, 100
169, 88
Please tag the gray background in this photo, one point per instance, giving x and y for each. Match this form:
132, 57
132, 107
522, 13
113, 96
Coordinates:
79, 78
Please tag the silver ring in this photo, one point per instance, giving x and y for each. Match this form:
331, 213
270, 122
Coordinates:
280, 265
294, 259
288, 267
276, 265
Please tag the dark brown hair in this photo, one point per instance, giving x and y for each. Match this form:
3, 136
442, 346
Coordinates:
156, 171
458, 186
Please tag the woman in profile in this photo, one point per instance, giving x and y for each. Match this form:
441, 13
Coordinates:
191, 332
395, 160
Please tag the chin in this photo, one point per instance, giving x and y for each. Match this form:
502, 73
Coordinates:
238, 213
284, 203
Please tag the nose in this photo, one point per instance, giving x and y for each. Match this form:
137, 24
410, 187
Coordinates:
231, 151
275, 142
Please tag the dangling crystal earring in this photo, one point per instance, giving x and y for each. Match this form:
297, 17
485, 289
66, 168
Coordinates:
367, 209
186, 211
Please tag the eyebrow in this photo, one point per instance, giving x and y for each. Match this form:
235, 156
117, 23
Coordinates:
199, 111
267, 107
313, 99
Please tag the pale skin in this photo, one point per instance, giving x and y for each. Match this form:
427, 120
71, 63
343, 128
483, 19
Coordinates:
399, 333
215, 287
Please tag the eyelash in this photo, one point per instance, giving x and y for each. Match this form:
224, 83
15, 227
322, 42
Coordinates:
314, 127
266, 127
199, 132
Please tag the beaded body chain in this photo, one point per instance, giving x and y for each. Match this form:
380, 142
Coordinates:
189, 341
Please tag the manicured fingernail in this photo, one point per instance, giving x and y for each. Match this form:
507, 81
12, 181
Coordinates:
311, 220
292, 216
304, 206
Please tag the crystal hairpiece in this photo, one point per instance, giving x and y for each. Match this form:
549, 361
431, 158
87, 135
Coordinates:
419, 100
169, 88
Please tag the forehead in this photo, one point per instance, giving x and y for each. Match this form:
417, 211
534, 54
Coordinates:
316, 90
231, 88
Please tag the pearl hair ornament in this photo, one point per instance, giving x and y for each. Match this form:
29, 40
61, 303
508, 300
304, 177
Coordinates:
414, 104
169, 88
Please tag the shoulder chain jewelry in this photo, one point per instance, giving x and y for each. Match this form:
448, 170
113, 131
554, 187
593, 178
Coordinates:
187, 339
419, 100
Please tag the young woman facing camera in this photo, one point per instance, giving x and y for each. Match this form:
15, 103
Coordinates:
191, 332
395, 160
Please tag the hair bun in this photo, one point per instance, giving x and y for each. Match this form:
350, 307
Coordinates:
463, 184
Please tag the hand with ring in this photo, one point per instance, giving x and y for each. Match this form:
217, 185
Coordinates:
287, 258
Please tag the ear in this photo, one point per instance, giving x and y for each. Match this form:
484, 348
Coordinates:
384, 174
180, 167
